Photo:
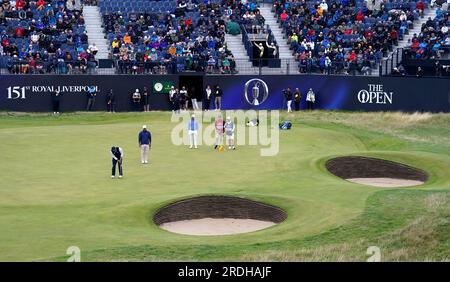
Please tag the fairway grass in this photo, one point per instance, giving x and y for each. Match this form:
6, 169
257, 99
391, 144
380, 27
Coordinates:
56, 190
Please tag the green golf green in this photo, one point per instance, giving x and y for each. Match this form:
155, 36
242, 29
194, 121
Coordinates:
56, 190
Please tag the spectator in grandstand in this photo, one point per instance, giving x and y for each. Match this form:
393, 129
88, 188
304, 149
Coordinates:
56, 98
272, 50
219, 126
420, 6
229, 132
207, 98
117, 160
310, 99
144, 99
297, 99
93, 49
145, 143
111, 102
395, 72
218, 98
193, 131
136, 98
91, 95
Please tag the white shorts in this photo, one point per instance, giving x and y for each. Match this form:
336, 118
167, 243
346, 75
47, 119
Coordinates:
230, 137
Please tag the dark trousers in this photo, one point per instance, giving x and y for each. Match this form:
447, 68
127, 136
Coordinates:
55, 106
297, 105
119, 164
90, 104
206, 104
310, 105
111, 107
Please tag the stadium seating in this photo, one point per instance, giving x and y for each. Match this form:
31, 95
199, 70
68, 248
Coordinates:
44, 37
344, 36
434, 40
172, 36
166, 36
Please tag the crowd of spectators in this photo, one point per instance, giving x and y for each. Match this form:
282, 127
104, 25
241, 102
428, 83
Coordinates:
344, 36
44, 37
433, 42
190, 37
172, 36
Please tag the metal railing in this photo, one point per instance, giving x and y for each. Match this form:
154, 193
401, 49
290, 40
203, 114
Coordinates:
237, 67
391, 62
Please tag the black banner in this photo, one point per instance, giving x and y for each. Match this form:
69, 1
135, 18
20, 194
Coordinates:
335, 92
33, 93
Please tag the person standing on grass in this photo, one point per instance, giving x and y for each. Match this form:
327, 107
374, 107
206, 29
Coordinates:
207, 100
297, 99
192, 131
182, 99
218, 98
110, 102
144, 100
172, 97
229, 132
310, 99
185, 95
56, 98
145, 143
91, 94
219, 131
288, 97
117, 160
193, 99
136, 97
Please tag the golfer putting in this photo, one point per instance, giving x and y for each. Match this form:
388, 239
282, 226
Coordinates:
117, 160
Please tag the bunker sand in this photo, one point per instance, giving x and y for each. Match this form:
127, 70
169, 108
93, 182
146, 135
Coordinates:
216, 226
385, 182
376, 172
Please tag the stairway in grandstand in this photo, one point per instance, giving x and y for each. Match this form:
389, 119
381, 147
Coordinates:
93, 23
271, 20
406, 42
235, 45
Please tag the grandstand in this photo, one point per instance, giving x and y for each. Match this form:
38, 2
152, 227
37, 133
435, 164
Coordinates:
346, 37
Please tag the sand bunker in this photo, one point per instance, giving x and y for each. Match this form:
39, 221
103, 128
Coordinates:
217, 215
376, 172
216, 226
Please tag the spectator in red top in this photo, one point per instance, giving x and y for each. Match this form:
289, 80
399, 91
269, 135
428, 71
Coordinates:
360, 16
415, 43
20, 4
283, 16
32, 64
40, 4
368, 33
421, 7
394, 36
188, 22
19, 32
352, 56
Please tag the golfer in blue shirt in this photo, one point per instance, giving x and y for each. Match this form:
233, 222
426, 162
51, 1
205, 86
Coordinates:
192, 131
145, 142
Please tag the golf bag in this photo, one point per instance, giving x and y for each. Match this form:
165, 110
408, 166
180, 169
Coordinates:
286, 125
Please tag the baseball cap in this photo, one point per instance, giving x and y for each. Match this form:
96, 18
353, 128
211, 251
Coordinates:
144, 126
